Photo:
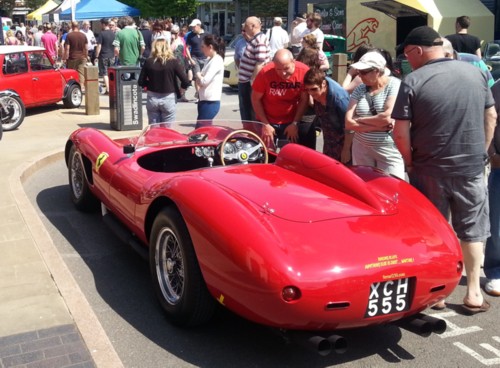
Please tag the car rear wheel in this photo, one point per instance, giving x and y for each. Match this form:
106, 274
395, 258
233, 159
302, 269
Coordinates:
74, 97
81, 195
13, 112
176, 274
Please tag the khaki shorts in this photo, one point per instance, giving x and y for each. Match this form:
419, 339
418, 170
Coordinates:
465, 199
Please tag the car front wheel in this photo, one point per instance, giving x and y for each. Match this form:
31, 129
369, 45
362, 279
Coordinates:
177, 278
74, 97
12, 112
81, 195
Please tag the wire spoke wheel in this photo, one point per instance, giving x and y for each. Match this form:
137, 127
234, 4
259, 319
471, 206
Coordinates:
169, 266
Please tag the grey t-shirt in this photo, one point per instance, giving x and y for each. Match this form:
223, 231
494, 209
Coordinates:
445, 102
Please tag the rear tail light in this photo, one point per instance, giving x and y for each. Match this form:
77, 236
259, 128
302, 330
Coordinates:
291, 293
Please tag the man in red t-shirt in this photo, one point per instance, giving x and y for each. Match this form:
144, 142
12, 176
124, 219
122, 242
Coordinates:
279, 98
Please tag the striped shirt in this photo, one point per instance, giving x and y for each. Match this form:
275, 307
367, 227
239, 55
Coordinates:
378, 101
257, 51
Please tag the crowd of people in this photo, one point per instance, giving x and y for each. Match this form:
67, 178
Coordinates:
431, 128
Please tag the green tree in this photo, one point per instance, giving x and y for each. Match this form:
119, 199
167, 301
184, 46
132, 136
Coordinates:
34, 4
6, 7
164, 8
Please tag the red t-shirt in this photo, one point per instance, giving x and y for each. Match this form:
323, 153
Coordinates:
281, 96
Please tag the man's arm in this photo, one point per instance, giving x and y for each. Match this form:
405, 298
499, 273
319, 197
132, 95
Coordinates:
66, 51
258, 106
256, 71
401, 135
302, 106
490, 122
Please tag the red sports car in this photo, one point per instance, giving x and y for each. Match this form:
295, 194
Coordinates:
32, 78
293, 240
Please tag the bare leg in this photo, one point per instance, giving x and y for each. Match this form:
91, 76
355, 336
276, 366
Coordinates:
473, 255
106, 82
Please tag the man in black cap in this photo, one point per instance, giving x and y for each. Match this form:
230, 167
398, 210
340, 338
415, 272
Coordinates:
445, 118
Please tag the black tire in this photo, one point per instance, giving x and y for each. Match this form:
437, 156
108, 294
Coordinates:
176, 274
74, 97
81, 195
12, 107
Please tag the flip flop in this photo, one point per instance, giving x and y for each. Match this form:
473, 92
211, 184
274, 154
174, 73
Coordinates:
471, 310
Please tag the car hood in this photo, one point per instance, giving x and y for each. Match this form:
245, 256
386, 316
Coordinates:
288, 195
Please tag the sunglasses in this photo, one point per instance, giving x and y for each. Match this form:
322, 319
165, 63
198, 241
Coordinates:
365, 72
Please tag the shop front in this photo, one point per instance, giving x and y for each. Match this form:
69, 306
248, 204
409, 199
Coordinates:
219, 18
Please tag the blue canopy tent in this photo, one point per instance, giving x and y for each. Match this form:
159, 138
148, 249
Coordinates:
96, 9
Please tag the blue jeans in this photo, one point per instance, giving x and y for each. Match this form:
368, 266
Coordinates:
492, 250
245, 99
206, 112
160, 107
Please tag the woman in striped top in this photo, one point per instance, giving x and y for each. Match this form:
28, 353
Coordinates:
369, 116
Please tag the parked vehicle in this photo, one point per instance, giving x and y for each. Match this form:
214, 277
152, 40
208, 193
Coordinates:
293, 240
230, 70
491, 56
34, 79
12, 110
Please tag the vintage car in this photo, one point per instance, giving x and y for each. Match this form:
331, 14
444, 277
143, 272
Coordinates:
293, 240
34, 80
230, 70
491, 56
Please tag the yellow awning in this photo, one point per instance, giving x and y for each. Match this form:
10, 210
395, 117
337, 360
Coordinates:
441, 14
45, 8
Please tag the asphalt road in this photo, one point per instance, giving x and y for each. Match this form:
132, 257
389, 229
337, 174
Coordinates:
116, 282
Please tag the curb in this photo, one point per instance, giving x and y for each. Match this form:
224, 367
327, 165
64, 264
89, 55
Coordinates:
93, 334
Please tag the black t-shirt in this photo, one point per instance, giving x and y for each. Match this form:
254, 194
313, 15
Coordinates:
463, 42
148, 38
193, 41
105, 39
162, 78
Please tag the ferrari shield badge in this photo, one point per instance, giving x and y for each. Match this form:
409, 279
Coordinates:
100, 160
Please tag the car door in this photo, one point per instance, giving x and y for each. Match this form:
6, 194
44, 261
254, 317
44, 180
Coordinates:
47, 83
16, 76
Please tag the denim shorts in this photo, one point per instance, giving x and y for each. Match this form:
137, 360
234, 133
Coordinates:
465, 199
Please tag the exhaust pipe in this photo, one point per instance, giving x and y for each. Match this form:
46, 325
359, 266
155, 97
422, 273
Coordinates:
416, 325
314, 343
438, 325
339, 343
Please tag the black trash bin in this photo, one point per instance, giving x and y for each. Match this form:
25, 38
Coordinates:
125, 98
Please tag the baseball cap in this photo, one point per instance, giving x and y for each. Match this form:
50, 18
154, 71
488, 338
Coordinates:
174, 29
423, 36
370, 60
195, 22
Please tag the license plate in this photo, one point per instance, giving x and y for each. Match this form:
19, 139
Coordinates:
389, 297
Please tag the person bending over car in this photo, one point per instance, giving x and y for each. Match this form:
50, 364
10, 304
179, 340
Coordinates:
279, 99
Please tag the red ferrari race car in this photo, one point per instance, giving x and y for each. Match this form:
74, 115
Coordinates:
292, 239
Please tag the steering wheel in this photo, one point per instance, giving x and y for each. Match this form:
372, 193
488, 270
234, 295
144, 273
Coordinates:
243, 155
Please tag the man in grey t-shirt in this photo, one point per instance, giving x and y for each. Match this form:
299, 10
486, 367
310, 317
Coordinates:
445, 118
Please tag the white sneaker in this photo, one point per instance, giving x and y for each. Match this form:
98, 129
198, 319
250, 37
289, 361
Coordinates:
492, 287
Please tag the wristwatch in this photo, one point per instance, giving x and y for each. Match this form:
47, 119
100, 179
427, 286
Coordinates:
295, 123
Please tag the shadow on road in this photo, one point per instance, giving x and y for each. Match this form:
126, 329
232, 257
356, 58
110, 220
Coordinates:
123, 282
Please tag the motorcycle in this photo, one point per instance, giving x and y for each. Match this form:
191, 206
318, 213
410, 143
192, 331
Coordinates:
12, 110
